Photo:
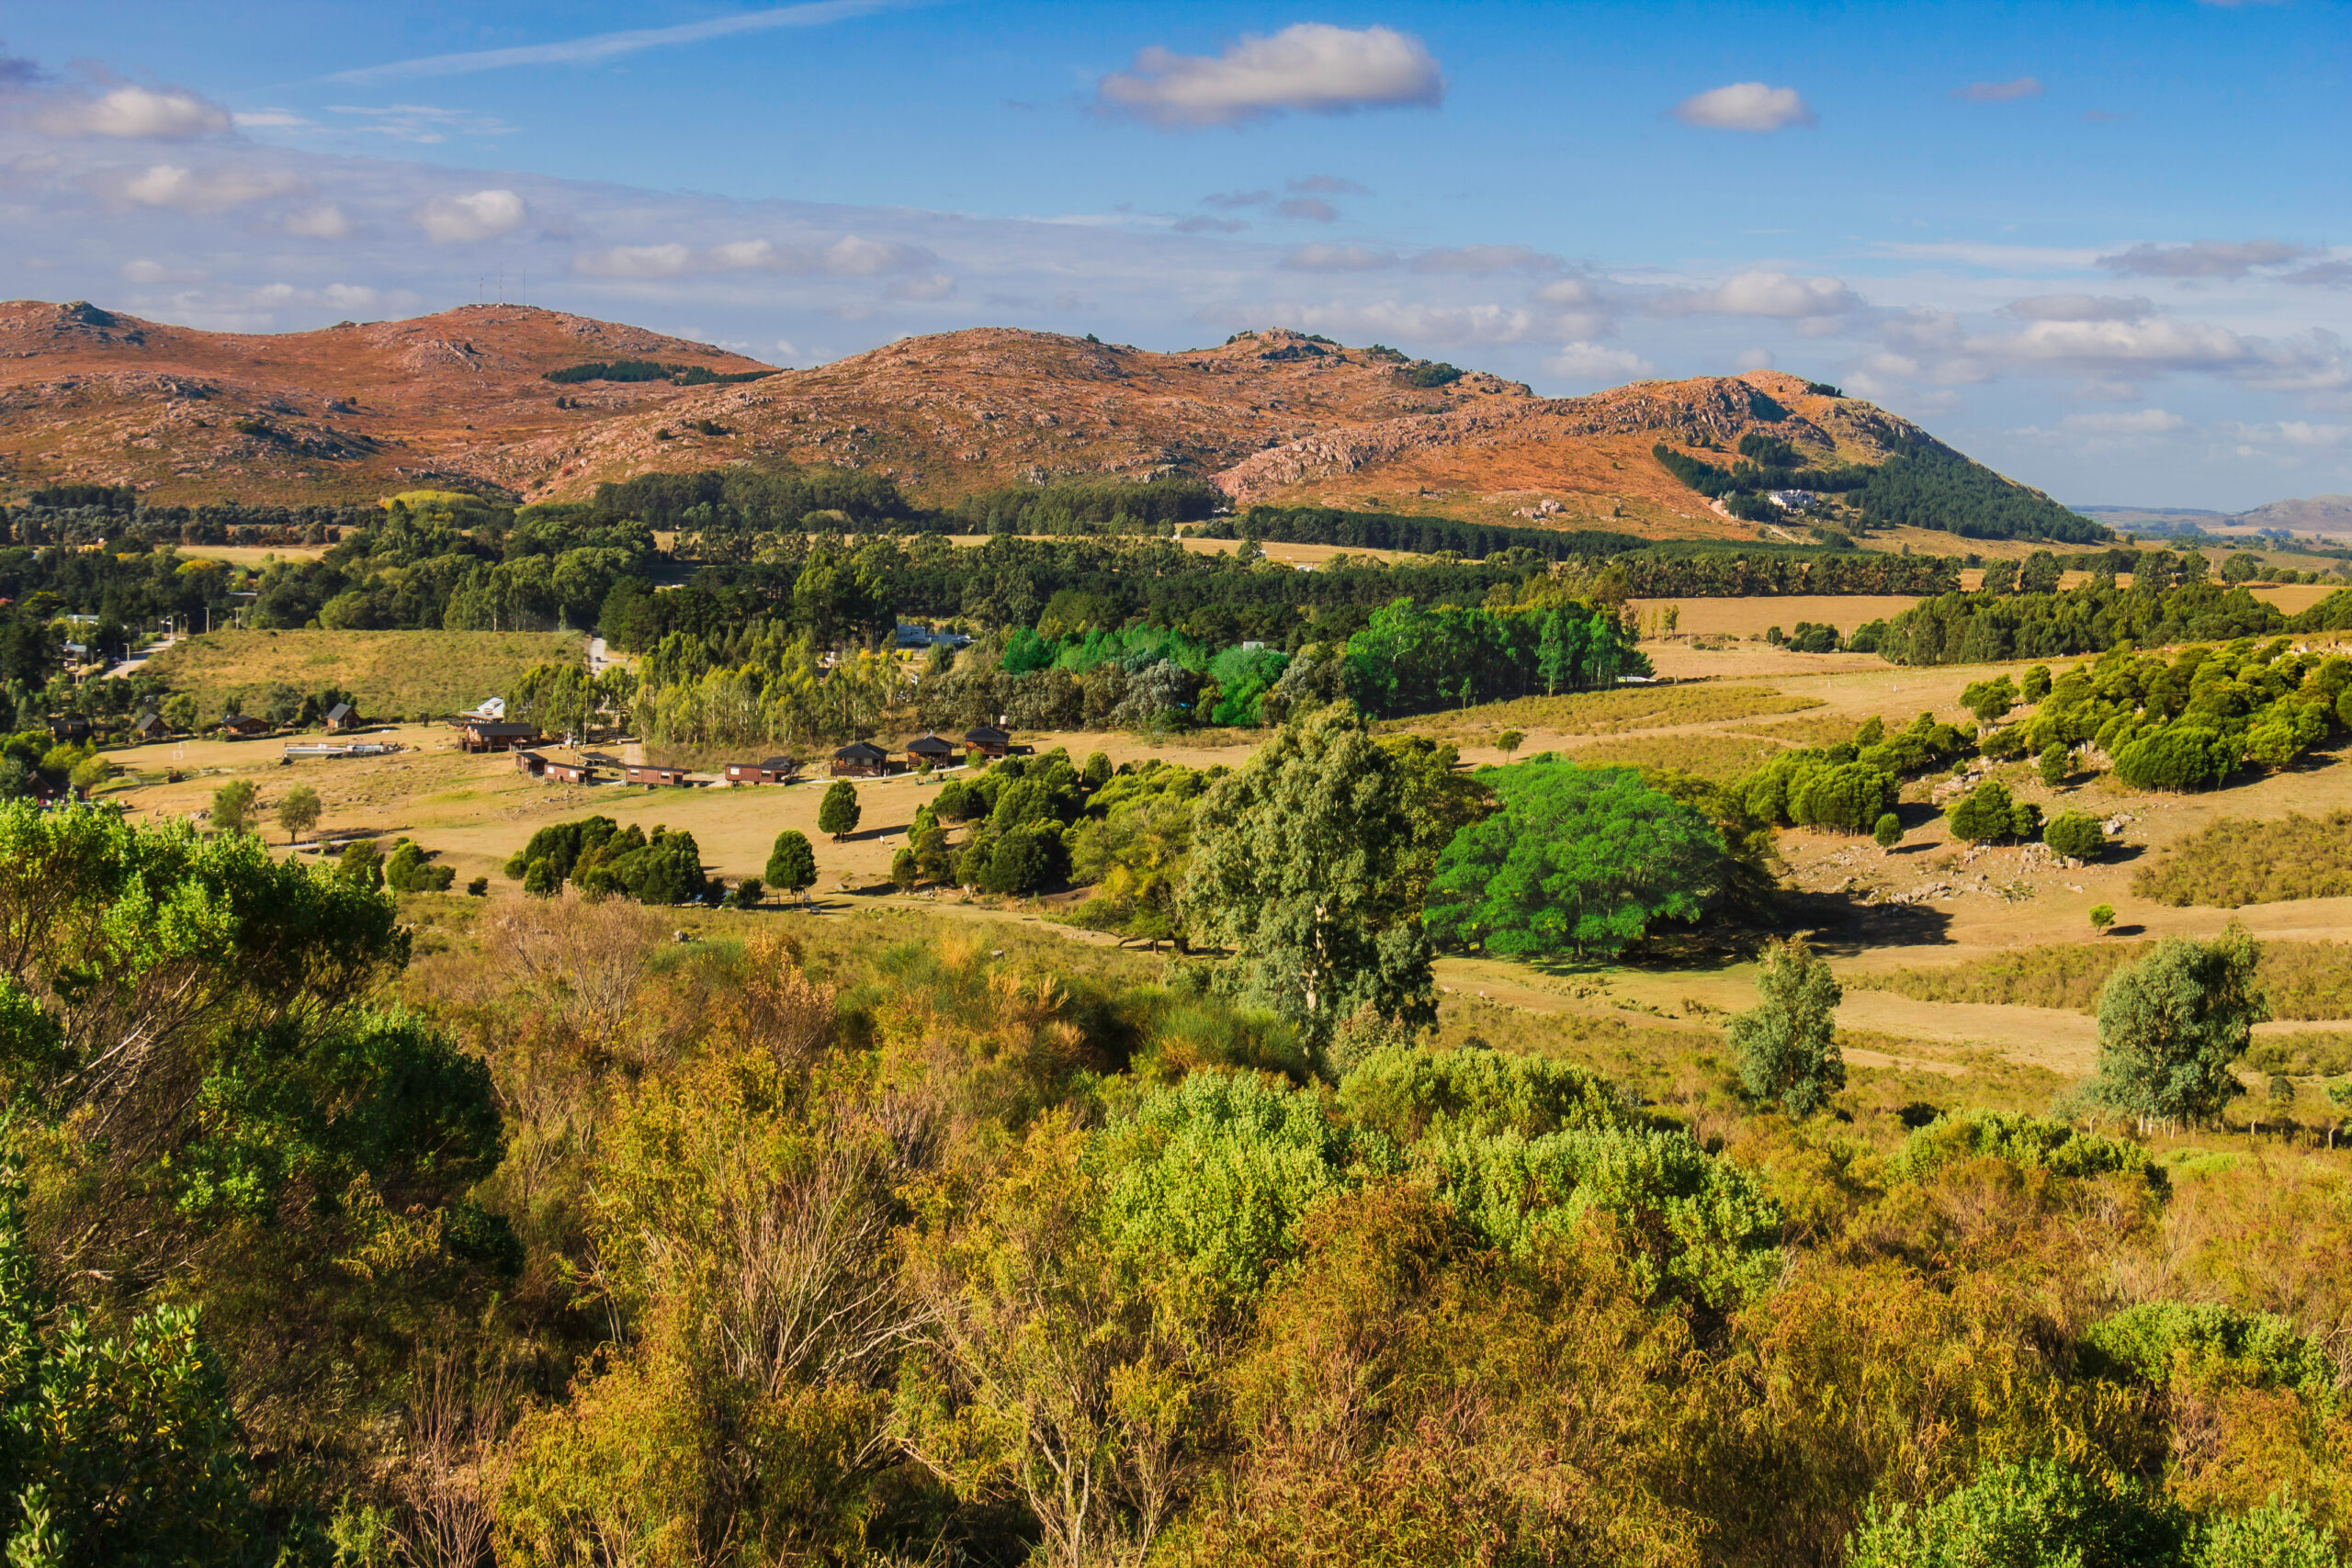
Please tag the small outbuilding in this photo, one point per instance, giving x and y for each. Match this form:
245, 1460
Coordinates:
989, 741
863, 759
653, 776
498, 735
342, 715
936, 750
149, 726
73, 728
558, 770
775, 769
242, 726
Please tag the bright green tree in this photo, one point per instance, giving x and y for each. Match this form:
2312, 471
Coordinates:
2170, 1025
792, 864
1787, 1044
2057, 762
1510, 741
1576, 860
2102, 917
2076, 835
1888, 832
297, 812
904, 869
178, 712
838, 813
232, 805
1298, 867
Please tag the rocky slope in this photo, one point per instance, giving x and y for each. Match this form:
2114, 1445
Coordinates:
461, 398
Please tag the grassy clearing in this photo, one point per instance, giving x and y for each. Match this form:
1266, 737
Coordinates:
2305, 980
1718, 757
1610, 713
2235, 862
389, 673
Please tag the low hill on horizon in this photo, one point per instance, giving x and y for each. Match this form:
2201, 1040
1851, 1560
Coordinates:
465, 398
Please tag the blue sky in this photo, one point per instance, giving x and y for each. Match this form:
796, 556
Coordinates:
2100, 247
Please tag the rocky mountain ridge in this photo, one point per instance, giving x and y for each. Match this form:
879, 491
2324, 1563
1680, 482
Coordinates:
462, 397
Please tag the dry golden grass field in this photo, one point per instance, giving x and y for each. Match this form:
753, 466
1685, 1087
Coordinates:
387, 672
1929, 906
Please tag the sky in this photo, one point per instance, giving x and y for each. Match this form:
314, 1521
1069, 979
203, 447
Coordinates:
2100, 247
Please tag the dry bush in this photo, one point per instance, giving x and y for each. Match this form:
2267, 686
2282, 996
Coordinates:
2309, 1052
776, 1006
1721, 758
446, 1475
581, 964
2234, 861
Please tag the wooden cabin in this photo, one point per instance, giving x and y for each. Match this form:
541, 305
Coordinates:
863, 759
150, 726
497, 735
937, 750
73, 728
653, 776
775, 769
557, 769
989, 741
342, 715
244, 725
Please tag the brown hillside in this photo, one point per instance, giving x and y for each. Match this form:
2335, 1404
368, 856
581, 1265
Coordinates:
355, 411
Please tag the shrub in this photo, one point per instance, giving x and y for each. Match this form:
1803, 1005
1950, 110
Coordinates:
478, 888
2148, 1344
408, 871
2035, 1143
746, 893
2235, 860
1025, 859
1989, 812
2177, 757
2076, 835
2057, 760
2102, 917
1888, 830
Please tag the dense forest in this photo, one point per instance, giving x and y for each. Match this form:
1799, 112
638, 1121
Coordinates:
1988, 627
1924, 484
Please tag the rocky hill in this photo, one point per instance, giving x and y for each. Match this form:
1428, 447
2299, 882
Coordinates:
462, 397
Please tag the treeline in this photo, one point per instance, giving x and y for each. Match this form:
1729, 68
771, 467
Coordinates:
726, 507
1982, 628
1752, 573
1928, 485
1924, 485
1422, 535
83, 514
651, 370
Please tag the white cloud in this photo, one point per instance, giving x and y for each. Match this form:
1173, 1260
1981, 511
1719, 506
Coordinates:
1752, 360
2314, 363
1311, 67
270, 119
428, 125
932, 286
1338, 258
324, 221
197, 191
479, 215
599, 47
1745, 106
851, 255
2138, 422
149, 273
1485, 258
144, 114
1414, 321
1774, 294
1590, 364
2205, 258
2081, 308
2303, 433
1999, 92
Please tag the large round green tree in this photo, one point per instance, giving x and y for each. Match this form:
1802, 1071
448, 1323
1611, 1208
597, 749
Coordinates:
1577, 860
